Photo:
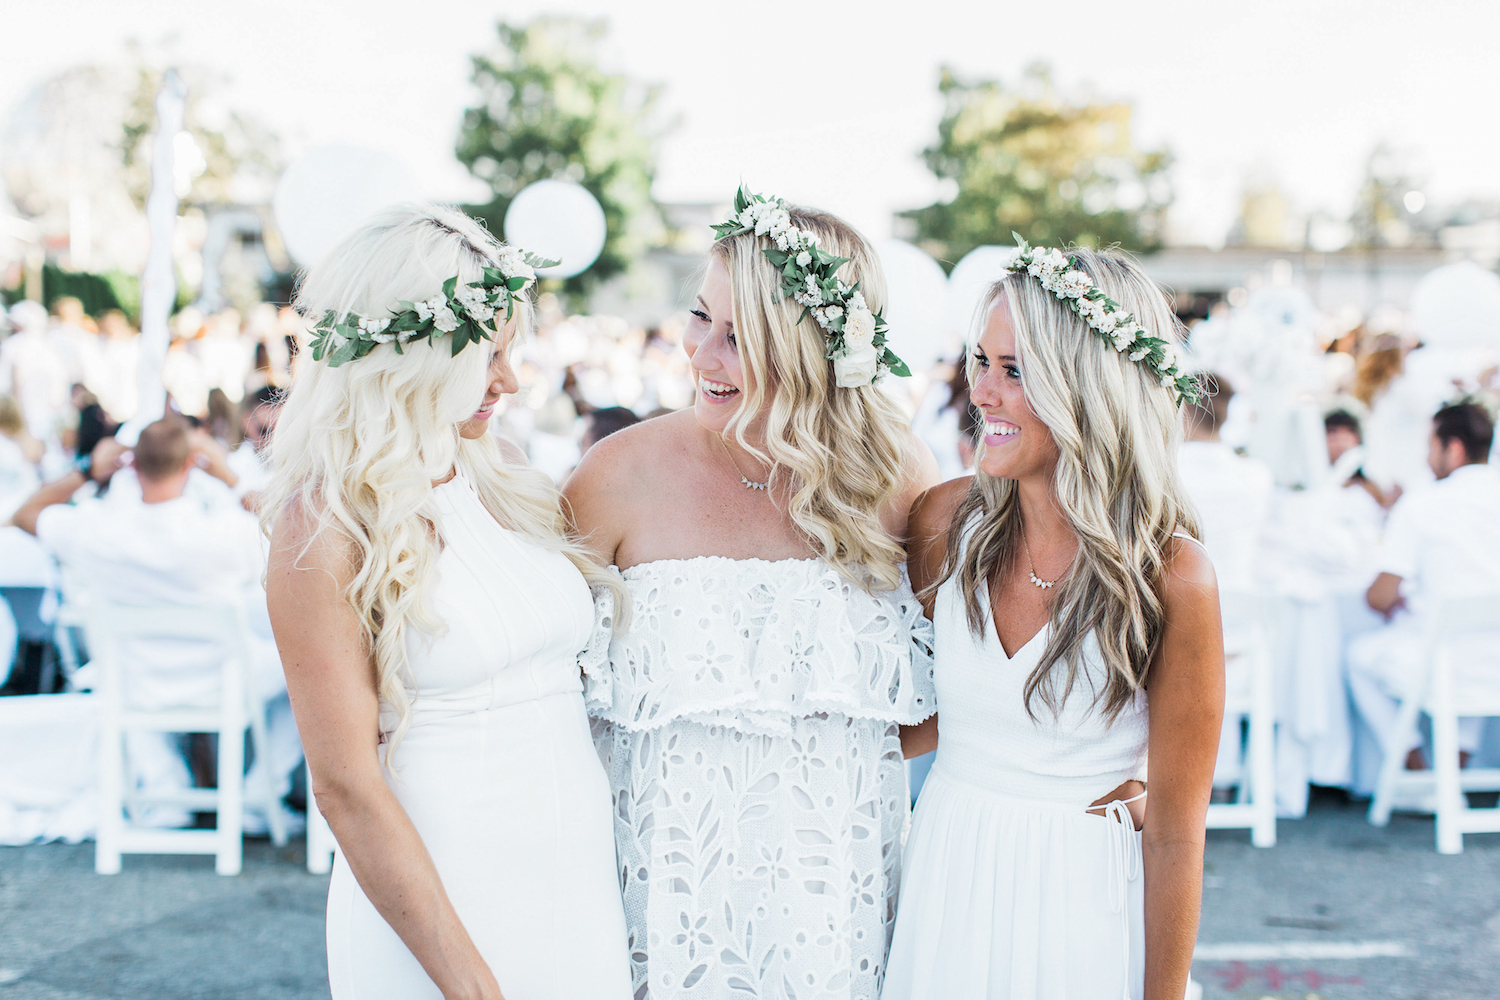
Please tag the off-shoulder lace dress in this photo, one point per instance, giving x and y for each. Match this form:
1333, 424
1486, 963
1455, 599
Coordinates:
748, 720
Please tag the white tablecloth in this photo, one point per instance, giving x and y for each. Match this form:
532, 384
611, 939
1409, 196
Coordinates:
49, 762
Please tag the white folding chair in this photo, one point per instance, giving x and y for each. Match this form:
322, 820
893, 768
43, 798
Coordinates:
1434, 697
1248, 623
223, 626
321, 844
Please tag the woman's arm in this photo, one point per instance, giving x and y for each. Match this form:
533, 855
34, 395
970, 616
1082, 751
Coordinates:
927, 533
330, 676
1186, 686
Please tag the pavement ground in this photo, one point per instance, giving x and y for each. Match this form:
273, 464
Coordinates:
1412, 924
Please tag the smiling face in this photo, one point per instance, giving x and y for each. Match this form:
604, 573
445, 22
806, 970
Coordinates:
713, 351
501, 381
1017, 445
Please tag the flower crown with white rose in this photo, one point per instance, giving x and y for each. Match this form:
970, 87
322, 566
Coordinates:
461, 312
809, 276
1104, 315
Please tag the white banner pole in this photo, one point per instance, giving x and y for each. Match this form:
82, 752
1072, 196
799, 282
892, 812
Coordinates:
158, 283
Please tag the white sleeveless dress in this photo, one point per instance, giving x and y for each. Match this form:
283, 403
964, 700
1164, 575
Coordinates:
749, 721
499, 775
1013, 891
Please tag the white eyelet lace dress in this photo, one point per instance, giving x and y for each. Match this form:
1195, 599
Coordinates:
1012, 890
749, 721
499, 775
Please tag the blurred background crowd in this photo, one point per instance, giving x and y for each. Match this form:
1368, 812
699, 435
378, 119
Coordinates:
1333, 337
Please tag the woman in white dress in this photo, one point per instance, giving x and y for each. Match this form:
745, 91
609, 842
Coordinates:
430, 611
749, 716
1066, 593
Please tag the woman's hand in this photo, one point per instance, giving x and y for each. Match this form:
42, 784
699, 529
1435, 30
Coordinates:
330, 676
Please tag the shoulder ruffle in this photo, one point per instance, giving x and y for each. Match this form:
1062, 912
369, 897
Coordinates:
750, 645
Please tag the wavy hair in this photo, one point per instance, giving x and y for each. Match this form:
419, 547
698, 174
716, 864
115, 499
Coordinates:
840, 454
358, 447
1117, 432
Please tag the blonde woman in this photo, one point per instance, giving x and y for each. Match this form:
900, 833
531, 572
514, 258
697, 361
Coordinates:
429, 612
749, 716
1067, 591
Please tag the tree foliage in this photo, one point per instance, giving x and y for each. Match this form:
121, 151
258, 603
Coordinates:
546, 110
1033, 161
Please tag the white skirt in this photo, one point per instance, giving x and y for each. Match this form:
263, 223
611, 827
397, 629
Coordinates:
1014, 899
514, 808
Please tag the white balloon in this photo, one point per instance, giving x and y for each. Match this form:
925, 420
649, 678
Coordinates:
559, 220
332, 189
1458, 305
970, 279
915, 286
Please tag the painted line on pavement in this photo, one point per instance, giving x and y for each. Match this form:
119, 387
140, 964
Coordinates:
1252, 951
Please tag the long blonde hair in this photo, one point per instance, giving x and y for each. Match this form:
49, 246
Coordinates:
1117, 432
358, 446
840, 454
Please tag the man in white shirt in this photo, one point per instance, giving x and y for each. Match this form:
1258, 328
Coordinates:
1232, 496
170, 548
1232, 493
1442, 541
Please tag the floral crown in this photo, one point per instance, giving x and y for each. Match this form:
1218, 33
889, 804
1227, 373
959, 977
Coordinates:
856, 336
461, 311
1104, 315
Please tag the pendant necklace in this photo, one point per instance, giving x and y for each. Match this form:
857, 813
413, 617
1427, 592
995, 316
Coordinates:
1036, 581
745, 480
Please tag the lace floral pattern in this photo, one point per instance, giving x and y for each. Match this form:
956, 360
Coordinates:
753, 645
759, 790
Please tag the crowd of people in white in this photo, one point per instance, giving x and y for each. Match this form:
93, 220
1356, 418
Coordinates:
1397, 506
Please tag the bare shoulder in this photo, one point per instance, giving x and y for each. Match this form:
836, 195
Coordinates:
302, 539
933, 512
1188, 577
630, 457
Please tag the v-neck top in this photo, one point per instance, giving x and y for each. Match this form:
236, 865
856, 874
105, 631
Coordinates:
989, 740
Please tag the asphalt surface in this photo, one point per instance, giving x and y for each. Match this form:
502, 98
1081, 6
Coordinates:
168, 928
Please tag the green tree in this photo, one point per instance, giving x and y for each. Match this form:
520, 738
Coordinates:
547, 111
1033, 161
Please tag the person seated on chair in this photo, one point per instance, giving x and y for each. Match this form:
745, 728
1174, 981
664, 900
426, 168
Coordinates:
170, 549
1440, 542
1231, 492
1232, 495
258, 413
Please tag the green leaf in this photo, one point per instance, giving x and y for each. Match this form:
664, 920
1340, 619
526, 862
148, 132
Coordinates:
450, 285
896, 365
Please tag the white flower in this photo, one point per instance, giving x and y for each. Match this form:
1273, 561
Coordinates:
444, 320
1168, 380
833, 312
382, 338
1074, 284
856, 366
1123, 337
1139, 353
482, 310
804, 258
1168, 357
859, 328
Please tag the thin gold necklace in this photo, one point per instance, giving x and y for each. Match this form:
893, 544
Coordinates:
745, 480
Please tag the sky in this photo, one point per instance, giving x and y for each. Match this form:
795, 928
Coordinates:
830, 103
